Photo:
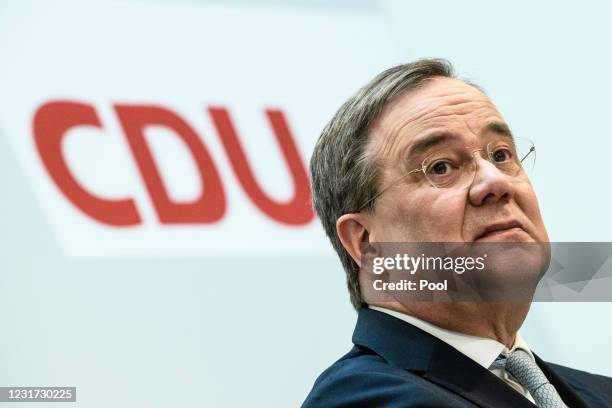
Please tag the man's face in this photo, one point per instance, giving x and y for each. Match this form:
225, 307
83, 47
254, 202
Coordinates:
495, 207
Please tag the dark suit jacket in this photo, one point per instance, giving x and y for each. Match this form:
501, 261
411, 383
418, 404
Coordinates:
394, 364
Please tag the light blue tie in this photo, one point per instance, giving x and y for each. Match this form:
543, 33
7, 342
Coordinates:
524, 369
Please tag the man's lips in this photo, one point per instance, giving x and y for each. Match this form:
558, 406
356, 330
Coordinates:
499, 228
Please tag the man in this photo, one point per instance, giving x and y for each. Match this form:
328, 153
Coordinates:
367, 189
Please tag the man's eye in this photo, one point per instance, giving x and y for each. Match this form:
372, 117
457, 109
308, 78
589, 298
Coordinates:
440, 168
501, 155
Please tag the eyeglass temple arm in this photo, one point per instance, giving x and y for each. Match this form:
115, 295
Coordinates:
388, 187
532, 149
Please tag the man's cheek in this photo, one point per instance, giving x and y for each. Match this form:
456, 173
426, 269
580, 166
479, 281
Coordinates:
445, 214
527, 202
439, 220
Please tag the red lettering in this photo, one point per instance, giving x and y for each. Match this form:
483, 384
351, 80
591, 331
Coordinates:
298, 210
210, 206
51, 122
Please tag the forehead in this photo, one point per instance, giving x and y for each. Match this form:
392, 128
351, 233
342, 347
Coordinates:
440, 104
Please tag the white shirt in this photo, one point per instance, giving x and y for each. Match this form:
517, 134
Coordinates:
482, 350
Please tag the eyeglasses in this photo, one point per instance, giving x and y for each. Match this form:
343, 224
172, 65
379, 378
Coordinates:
455, 166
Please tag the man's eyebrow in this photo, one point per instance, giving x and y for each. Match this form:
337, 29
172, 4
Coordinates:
427, 142
439, 138
498, 127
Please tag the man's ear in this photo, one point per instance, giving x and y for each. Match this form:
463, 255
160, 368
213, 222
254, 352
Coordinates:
352, 230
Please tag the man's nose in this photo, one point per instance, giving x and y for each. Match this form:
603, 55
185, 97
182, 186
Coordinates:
490, 185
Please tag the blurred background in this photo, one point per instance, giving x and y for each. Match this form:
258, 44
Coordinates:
123, 122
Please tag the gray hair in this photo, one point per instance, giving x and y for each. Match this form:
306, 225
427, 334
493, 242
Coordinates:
343, 176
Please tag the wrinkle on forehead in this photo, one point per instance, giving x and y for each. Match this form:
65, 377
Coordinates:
442, 103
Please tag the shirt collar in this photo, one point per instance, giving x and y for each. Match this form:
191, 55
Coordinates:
480, 349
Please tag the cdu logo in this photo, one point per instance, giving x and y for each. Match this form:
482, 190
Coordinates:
54, 119
190, 141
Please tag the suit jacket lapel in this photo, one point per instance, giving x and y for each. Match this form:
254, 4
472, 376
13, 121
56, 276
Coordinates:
457, 372
567, 393
405, 346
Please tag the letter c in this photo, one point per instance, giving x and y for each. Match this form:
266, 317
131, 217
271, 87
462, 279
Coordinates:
51, 122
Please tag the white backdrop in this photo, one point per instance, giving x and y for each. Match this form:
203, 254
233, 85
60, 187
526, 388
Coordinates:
248, 311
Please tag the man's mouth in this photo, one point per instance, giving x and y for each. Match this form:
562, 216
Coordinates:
500, 229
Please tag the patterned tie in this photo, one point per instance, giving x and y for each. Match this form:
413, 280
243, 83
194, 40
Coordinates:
524, 369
